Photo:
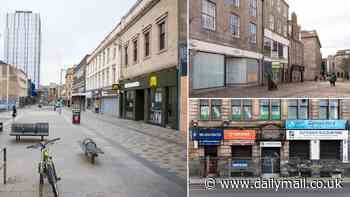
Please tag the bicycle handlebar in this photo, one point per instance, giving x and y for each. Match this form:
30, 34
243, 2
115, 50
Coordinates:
40, 144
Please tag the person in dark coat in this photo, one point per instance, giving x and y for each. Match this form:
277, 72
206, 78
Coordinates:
333, 79
14, 111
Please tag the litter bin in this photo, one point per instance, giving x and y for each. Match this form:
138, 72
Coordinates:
76, 116
1, 126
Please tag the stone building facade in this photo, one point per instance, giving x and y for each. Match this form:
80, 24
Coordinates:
237, 43
14, 82
148, 64
312, 54
341, 68
296, 51
253, 137
69, 85
79, 84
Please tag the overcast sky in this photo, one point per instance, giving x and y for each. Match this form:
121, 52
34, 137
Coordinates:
70, 28
331, 19
73, 28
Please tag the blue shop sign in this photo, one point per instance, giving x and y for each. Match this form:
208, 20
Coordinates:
239, 164
209, 142
315, 124
207, 134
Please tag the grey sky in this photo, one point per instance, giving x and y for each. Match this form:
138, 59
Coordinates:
70, 28
329, 18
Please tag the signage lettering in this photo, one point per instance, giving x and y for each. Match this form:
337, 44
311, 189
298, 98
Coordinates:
132, 85
315, 124
239, 134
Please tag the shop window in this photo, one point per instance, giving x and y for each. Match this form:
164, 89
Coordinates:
208, 15
299, 149
329, 109
241, 152
298, 109
129, 105
267, 46
216, 109
204, 109
330, 149
264, 110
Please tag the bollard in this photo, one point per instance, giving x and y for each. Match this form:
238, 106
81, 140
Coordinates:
5, 166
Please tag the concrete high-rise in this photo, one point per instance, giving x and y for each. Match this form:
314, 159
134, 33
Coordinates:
23, 43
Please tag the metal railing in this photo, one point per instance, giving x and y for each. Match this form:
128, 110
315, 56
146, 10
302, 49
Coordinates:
3, 166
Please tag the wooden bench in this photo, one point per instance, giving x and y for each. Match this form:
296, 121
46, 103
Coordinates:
28, 129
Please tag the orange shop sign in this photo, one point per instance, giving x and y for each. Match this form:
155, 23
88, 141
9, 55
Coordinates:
239, 134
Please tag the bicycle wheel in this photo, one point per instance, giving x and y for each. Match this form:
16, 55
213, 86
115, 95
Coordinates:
52, 180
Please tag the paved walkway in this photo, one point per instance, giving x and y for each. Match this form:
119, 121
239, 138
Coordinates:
309, 89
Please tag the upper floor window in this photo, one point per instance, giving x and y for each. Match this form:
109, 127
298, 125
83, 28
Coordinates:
126, 53
108, 55
114, 53
236, 3
298, 109
135, 57
208, 15
162, 35
270, 110
204, 109
235, 25
241, 109
216, 109
147, 43
272, 22
252, 33
253, 8
329, 109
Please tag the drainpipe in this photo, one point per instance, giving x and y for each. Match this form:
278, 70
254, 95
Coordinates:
262, 42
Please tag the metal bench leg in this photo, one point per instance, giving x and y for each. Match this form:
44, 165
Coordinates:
19, 138
42, 138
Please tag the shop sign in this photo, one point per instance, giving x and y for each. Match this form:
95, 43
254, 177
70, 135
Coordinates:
271, 144
276, 65
239, 164
209, 142
207, 134
271, 134
315, 124
317, 134
240, 143
153, 81
239, 134
115, 87
132, 85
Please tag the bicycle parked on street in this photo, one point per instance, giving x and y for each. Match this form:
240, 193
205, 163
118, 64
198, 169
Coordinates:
46, 165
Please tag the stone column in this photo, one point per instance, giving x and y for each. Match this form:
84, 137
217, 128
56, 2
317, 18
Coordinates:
256, 159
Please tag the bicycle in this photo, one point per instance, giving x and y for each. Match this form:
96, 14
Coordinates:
46, 167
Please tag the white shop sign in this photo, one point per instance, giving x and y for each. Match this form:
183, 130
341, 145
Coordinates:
132, 85
271, 144
345, 151
317, 134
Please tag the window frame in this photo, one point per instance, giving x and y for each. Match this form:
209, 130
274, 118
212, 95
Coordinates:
252, 26
147, 43
235, 25
215, 103
203, 15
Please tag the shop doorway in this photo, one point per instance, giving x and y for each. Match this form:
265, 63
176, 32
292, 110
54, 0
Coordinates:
155, 116
171, 108
211, 159
140, 105
270, 161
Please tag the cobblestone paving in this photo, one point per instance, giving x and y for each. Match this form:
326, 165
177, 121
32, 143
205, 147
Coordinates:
309, 89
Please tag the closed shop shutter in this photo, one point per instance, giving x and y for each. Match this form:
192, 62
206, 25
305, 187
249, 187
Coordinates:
299, 149
236, 71
241, 152
208, 70
110, 106
330, 149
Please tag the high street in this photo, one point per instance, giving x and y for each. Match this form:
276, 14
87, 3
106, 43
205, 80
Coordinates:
138, 159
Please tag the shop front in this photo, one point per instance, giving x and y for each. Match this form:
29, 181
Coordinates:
323, 142
151, 98
242, 145
110, 102
277, 72
297, 73
209, 140
272, 150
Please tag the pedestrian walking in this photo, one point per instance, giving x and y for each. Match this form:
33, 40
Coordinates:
14, 112
333, 79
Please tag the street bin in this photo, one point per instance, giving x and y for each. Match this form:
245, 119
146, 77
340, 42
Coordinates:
76, 116
1, 126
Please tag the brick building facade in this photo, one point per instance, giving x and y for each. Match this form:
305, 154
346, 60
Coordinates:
296, 51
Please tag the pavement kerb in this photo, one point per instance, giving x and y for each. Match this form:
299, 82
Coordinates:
201, 181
